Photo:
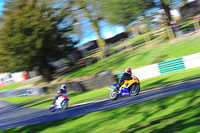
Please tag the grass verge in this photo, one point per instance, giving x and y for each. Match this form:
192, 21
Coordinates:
77, 97
176, 113
11, 86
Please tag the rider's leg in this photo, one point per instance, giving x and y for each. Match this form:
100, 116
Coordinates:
55, 99
119, 85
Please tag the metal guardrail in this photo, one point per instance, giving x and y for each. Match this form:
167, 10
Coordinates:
161, 68
23, 92
171, 66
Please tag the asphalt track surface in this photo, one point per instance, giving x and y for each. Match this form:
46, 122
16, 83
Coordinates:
12, 115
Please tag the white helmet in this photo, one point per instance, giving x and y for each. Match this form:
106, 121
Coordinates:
64, 86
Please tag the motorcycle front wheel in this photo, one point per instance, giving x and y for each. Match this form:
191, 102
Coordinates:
52, 110
113, 95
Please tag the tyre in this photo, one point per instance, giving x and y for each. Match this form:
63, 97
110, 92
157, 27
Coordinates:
134, 90
53, 110
113, 95
64, 105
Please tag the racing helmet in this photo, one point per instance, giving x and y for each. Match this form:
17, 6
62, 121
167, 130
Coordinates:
63, 86
128, 70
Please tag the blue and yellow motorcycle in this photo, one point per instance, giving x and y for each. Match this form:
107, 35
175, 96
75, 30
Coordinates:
129, 87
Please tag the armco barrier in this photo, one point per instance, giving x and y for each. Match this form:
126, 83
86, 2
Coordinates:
86, 85
192, 61
23, 92
144, 72
147, 71
171, 66
91, 84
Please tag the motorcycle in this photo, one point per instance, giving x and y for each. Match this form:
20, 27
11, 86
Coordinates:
129, 87
61, 103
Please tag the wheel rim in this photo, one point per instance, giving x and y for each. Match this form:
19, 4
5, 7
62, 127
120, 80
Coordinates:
64, 105
113, 94
134, 89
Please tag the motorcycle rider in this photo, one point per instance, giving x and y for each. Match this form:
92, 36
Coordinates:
126, 76
63, 90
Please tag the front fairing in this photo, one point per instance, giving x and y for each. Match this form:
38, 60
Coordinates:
124, 91
115, 84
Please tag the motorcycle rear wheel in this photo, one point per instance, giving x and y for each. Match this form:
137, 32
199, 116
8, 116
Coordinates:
134, 90
64, 105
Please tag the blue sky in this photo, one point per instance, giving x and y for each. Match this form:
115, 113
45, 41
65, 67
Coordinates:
107, 30
1, 6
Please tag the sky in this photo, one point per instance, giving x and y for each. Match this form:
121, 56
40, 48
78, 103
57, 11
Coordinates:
107, 30
1, 6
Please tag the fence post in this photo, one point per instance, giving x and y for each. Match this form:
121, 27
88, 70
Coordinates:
196, 25
170, 33
147, 38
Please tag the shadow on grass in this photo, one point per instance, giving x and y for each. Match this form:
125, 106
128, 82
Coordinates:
175, 121
159, 82
76, 93
41, 102
172, 124
159, 58
166, 81
40, 127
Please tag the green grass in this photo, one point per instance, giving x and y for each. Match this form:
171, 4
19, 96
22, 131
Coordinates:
11, 86
176, 113
135, 59
168, 79
117, 47
78, 97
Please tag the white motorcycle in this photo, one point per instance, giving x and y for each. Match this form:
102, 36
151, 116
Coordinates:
60, 104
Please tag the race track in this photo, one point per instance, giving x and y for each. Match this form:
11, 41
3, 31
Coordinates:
14, 115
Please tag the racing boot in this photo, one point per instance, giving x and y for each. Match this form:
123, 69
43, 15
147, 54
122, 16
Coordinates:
52, 105
118, 89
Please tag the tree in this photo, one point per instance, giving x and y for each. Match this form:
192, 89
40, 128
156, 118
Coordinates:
124, 11
33, 35
91, 10
165, 6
